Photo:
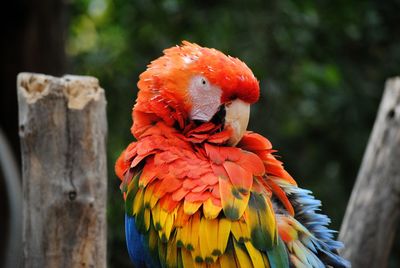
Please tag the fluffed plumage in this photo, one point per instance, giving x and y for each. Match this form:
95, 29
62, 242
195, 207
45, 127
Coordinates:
194, 197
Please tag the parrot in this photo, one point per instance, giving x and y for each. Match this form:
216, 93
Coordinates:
199, 189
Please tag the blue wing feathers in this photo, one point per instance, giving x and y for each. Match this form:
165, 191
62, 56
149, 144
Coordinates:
306, 210
137, 249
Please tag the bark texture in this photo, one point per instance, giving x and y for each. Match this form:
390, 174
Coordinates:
372, 215
62, 126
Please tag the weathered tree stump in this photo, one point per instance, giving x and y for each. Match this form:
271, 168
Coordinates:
372, 215
63, 142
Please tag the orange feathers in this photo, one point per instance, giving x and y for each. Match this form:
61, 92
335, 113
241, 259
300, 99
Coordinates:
194, 200
186, 190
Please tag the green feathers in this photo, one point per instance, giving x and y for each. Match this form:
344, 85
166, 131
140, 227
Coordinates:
261, 220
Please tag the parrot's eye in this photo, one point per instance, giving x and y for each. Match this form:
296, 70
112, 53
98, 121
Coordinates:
202, 82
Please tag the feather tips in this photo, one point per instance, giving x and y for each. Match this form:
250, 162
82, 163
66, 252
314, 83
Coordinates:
181, 208
211, 206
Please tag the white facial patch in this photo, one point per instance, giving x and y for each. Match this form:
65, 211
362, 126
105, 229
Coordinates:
206, 98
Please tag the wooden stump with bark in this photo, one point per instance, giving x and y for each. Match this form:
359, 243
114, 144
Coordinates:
373, 212
63, 129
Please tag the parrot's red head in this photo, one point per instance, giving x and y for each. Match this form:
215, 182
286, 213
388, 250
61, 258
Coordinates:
192, 83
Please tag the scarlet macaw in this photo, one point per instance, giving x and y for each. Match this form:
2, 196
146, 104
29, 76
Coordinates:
200, 190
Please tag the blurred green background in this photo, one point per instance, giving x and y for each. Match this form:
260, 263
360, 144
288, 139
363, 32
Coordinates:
322, 66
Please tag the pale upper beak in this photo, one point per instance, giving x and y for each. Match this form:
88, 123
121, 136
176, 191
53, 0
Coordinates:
237, 118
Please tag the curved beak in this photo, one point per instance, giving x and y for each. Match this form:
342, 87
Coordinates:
237, 118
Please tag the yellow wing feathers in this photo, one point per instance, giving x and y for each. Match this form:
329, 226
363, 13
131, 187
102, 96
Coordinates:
205, 237
219, 215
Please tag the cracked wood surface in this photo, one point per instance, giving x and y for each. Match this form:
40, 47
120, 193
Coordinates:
62, 126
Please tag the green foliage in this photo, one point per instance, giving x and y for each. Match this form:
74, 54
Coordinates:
321, 66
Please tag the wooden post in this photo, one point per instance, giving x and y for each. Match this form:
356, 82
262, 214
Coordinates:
63, 129
373, 213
